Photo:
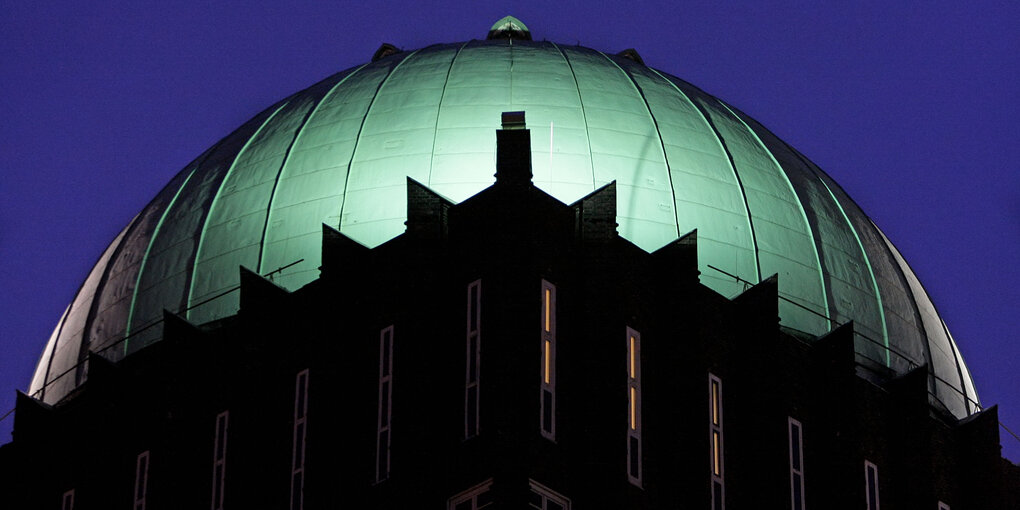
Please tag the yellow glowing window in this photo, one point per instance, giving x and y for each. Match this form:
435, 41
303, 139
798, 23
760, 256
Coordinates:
633, 408
715, 453
548, 309
548, 356
633, 358
715, 403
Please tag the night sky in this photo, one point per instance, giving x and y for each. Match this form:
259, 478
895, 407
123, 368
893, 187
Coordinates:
911, 107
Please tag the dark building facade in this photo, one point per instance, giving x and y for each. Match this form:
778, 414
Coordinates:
506, 352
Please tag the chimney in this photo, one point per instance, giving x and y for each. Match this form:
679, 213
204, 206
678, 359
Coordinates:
513, 151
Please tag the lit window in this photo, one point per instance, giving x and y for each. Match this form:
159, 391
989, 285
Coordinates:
67, 502
547, 396
544, 498
475, 498
634, 407
474, 358
297, 472
716, 448
796, 465
871, 485
219, 460
382, 445
141, 479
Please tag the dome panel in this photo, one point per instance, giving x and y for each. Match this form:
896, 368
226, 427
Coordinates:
63, 372
851, 290
165, 277
42, 367
782, 237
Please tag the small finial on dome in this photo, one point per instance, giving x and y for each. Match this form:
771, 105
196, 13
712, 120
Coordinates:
509, 27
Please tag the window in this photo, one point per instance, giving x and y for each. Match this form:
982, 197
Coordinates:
544, 498
634, 407
716, 448
474, 357
943, 506
297, 472
67, 502
475, 498
871, 485
141, 479
382, 444
547, 396
796, 464
219, 460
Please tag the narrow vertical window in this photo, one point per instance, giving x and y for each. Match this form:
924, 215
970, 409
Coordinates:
547, 394
141, 479
716, 449
478, 497
796, 465
219, 460
544, 498
297, 472
634, 407
474, 357
871, 485
382, 444
67, 502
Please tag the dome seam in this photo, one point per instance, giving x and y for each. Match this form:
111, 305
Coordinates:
658, 136
212, 207
357, 139
439, 111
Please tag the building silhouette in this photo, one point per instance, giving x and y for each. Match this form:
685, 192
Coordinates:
403, 331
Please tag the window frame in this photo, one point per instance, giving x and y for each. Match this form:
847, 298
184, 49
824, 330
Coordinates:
473, 361
219, 471
635, 445
870, 467
385, 415
547, 365
796, 431
299, 440
471, 495
716, 443
143, 466
547, 495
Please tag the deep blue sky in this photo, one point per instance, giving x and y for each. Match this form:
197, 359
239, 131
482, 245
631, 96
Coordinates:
911, 106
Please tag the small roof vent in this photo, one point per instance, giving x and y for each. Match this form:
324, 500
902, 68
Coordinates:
632, 54
509, 28
384, 51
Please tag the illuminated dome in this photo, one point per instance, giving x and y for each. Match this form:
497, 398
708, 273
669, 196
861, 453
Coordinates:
339, 153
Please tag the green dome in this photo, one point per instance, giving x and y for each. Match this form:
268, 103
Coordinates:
339, 153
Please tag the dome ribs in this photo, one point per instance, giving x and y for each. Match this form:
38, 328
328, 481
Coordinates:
204, 236
800, 207
148, 247
276, 182
623, 145
67, 356
658, 134
291, 182
730, 170
359, 138
439, 111
580, 100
